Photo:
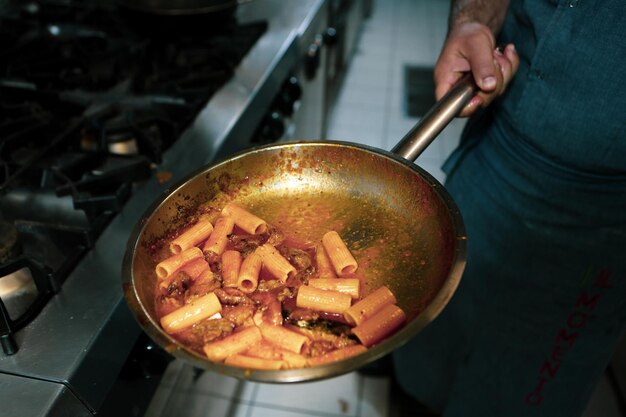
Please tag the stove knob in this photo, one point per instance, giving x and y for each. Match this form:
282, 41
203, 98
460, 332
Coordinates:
330, 37
312, 57
292, 88
272, 129
289, 94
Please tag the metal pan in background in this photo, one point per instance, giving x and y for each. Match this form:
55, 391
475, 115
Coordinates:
397, 219
181, 7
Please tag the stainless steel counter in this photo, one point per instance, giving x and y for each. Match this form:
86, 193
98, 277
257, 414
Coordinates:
72, 352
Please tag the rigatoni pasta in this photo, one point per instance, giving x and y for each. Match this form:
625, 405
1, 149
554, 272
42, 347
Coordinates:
323, 300
233, 344
325, 268
195, 267
171, 265
351, 286
248, 278
231, 265
339, 254
380, 325
244, 219
275, 263
199, 309
216, 243
193, 270
268, 350
280, 336
191, 237
242, 293
369, 305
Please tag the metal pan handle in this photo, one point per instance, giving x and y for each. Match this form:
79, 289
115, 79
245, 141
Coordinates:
436, 119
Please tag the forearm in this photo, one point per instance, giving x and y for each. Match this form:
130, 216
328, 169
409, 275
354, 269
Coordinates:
490, 13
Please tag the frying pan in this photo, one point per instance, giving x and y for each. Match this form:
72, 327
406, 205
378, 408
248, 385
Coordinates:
398, 221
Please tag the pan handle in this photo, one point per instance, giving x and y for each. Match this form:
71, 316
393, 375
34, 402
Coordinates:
436, 119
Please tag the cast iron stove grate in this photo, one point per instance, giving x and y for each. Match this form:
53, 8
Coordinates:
90, 100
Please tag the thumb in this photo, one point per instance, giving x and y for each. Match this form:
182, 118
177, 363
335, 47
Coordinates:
484, 69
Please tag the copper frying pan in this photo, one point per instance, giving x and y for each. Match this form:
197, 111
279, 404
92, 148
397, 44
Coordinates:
394, 216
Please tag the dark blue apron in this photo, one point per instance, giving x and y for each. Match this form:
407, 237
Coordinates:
540, 180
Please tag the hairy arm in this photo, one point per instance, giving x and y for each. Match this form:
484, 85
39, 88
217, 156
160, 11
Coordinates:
488, 12
471, 46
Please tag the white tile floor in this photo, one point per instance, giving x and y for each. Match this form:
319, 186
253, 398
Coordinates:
185, 392
369, 109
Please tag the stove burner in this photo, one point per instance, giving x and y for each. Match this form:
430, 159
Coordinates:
91, 97
49, 253
118, 80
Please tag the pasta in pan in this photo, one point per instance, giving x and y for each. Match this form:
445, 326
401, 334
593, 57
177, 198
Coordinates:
241, 293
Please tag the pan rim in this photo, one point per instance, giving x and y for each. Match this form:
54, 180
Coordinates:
432, 310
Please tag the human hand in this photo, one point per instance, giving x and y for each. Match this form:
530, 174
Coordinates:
471, 47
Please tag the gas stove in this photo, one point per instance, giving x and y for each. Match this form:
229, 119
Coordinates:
90, 102
100, 112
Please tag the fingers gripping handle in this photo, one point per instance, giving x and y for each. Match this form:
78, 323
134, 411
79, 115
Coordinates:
436, 119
